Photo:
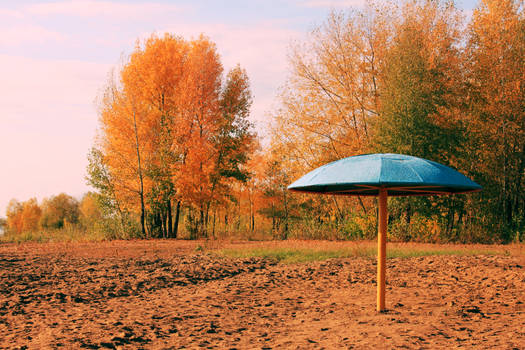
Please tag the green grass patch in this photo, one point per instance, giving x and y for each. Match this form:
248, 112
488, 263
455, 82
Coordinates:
295, 255
417, 252
302, 255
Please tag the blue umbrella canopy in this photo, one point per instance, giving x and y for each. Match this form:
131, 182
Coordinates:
400, 174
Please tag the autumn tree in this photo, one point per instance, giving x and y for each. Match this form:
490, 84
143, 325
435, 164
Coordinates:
14, 216
234, 140
421, 95
90, 210
31, 215
23, 216
394, 78
330, 102
59, 211
331, 97
420, 79
254, 187
3, 225
280, 205
496, 75
171, 132
99, 177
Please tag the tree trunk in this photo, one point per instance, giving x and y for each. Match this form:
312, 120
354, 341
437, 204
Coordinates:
141, 180
202, 224
170, 219
285, 216
214, 215
461, 225
239, 214
176, 224
163, 223
273, 218
142, 215
450, 220
206, 216
251, 209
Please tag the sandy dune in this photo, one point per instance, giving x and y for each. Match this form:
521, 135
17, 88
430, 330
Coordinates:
162, 295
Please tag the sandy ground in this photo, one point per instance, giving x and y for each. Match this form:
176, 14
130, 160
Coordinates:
165, 295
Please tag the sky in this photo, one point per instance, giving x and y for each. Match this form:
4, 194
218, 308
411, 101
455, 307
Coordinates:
55, 57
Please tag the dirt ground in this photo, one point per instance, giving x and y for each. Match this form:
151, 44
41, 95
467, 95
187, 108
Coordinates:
170, 295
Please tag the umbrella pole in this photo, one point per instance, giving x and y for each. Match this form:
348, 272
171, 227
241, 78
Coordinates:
381, 249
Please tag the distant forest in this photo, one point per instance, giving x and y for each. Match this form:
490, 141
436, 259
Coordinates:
176, 155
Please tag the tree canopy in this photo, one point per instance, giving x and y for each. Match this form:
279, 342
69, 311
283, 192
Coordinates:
173, 131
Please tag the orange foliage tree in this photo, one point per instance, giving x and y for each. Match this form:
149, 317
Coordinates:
90, 210
332, 95
172, 132
495, 70
23, 217
328, 110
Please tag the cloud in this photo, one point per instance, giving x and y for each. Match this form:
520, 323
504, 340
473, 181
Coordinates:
28, 33
10, 14
333, 3
96, 8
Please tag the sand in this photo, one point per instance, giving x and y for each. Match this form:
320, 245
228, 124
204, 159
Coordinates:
168, 295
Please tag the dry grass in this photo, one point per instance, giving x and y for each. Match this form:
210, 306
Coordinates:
287, 251
304, 251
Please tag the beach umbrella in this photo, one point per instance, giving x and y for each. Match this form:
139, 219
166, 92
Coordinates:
384, 175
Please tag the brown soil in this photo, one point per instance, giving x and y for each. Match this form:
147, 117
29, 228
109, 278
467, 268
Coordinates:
162, 295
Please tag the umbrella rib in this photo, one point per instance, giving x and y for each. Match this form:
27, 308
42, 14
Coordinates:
415, 172
416, 190
409, 188
369, 186
352, 190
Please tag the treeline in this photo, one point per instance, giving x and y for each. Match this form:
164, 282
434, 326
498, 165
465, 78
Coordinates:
413, 79
177, 157
54, 213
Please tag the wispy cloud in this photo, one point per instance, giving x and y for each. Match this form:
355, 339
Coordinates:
27, 33
95, 8
10, 14
333, 3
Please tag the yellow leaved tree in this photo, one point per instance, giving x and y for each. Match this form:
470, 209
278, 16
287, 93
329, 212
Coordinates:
171, 133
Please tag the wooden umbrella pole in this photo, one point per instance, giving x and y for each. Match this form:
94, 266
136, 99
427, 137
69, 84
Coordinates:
381, 249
